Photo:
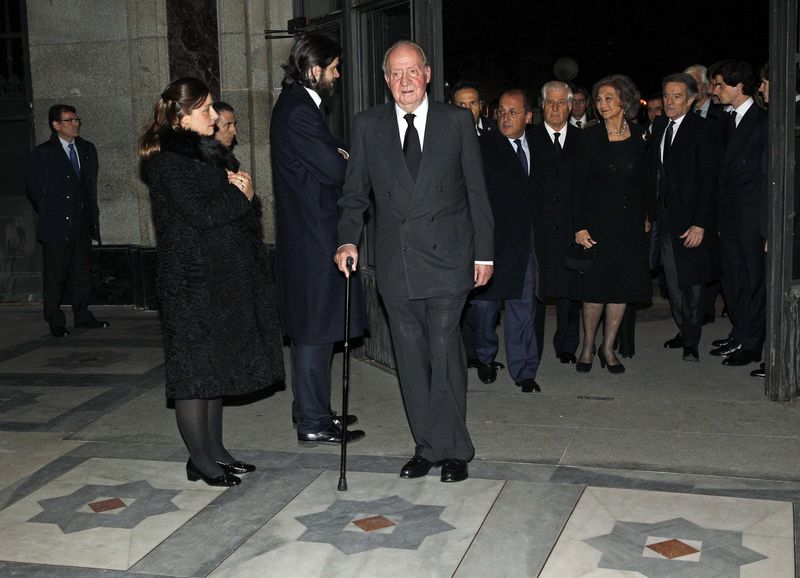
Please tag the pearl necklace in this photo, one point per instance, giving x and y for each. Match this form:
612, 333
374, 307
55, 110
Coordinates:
621, 130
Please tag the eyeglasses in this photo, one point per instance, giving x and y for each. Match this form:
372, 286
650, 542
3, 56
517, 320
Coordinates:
76, 119
510, 113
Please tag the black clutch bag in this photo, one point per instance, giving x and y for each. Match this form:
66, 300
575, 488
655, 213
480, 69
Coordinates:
578, 258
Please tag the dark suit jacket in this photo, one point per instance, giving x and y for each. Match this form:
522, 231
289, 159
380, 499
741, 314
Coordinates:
687, 186
428, 232
513, 207
552, 175
58, 195
743, 174
308, 174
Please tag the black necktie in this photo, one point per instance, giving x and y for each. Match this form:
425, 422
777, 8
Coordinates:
578, 123
557, 142
667, 141
411, 147
732, 125
521, 155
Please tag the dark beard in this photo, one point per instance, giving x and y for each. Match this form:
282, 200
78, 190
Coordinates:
324, 89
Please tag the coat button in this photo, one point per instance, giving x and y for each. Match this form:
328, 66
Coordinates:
440, 189
388, 193
433, 219
557, 199
434, 247
405, 249
555, 227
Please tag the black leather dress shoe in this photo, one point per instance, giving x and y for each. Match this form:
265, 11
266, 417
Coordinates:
760, 372
567, 358
691, 354
237, 467
332, 435
726, 350
674, 343
487, 372
416, 467
722, 342
454, 471
741, 357
337, 420
59, 331
224, 480
96, 324
529, 385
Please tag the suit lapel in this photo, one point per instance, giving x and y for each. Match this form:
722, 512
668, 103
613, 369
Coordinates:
389, 137
741, 134
435, 130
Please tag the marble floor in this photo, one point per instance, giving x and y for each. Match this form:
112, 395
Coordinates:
93, 477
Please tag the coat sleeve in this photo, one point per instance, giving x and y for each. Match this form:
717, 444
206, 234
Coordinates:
581, 184
355, 194
203, 205
477, 195
707, 167
35, 177
314, 147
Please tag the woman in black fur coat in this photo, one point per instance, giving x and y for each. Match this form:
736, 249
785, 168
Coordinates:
221, 331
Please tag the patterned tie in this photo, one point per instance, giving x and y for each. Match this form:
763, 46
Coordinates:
73, 158
411, 147
557, 142
521, 155
667, 141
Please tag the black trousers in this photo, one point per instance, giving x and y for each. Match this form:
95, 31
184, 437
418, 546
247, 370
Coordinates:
684, 301
432, 368
311, 386
567, 335
743, 284
68, 268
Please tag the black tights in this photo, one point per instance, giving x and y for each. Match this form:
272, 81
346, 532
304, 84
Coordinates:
592, 312
200, 424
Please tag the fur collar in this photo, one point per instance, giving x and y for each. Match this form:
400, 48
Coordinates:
205, 149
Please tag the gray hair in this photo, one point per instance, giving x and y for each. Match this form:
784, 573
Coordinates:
682, 77
701, 69
557, 85
398, 44
626, 90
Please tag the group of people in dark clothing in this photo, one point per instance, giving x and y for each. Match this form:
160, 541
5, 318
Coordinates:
691, 188
473, 216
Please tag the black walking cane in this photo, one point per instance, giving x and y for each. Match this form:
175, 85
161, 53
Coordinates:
345, 376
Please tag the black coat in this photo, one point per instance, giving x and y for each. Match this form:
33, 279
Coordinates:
221, 333
743, 174
308, 174
57, 193
687, 187
552, 176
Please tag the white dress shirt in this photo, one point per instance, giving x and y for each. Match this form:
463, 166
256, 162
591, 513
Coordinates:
317, 98
420, 120
742, 109
524, 143
675, 128
562, 134
65, 146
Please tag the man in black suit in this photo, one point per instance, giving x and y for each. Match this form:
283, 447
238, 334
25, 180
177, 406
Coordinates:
685, 165
468, 95
308, 168
507, 156
579, 116
62, 187
226, 125
742, 187
553, 144
433, 243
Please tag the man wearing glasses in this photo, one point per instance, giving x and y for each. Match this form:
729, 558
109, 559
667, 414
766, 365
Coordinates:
62, 187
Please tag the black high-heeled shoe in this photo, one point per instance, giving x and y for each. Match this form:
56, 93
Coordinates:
612, 368
237, 467
224, 480
583, 367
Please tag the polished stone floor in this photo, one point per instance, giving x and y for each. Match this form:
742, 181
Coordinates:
672, 469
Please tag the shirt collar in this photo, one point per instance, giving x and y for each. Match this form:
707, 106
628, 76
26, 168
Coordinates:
66, 143
420, 112
317, 98
562, 131
744, 107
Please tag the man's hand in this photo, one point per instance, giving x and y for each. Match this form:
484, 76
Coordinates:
482, 274
693, 236
345, 251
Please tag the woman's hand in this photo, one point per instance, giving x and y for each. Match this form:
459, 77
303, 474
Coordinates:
584, 239
648, 226
242, 181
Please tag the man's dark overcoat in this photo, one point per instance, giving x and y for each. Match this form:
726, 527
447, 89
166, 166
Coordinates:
308, 174
221, 331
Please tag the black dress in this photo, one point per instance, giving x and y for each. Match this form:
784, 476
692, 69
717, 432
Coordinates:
218, 305
613, 192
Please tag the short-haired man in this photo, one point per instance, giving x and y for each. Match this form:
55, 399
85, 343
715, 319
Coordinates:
308, 167
684, 158
468, 95
554, 148
742, 188
225, 131
62, 187
655, 107
433, 243
507, 157
580, 105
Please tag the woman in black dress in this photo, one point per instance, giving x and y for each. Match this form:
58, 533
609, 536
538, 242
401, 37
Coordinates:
221, 332
613, 196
